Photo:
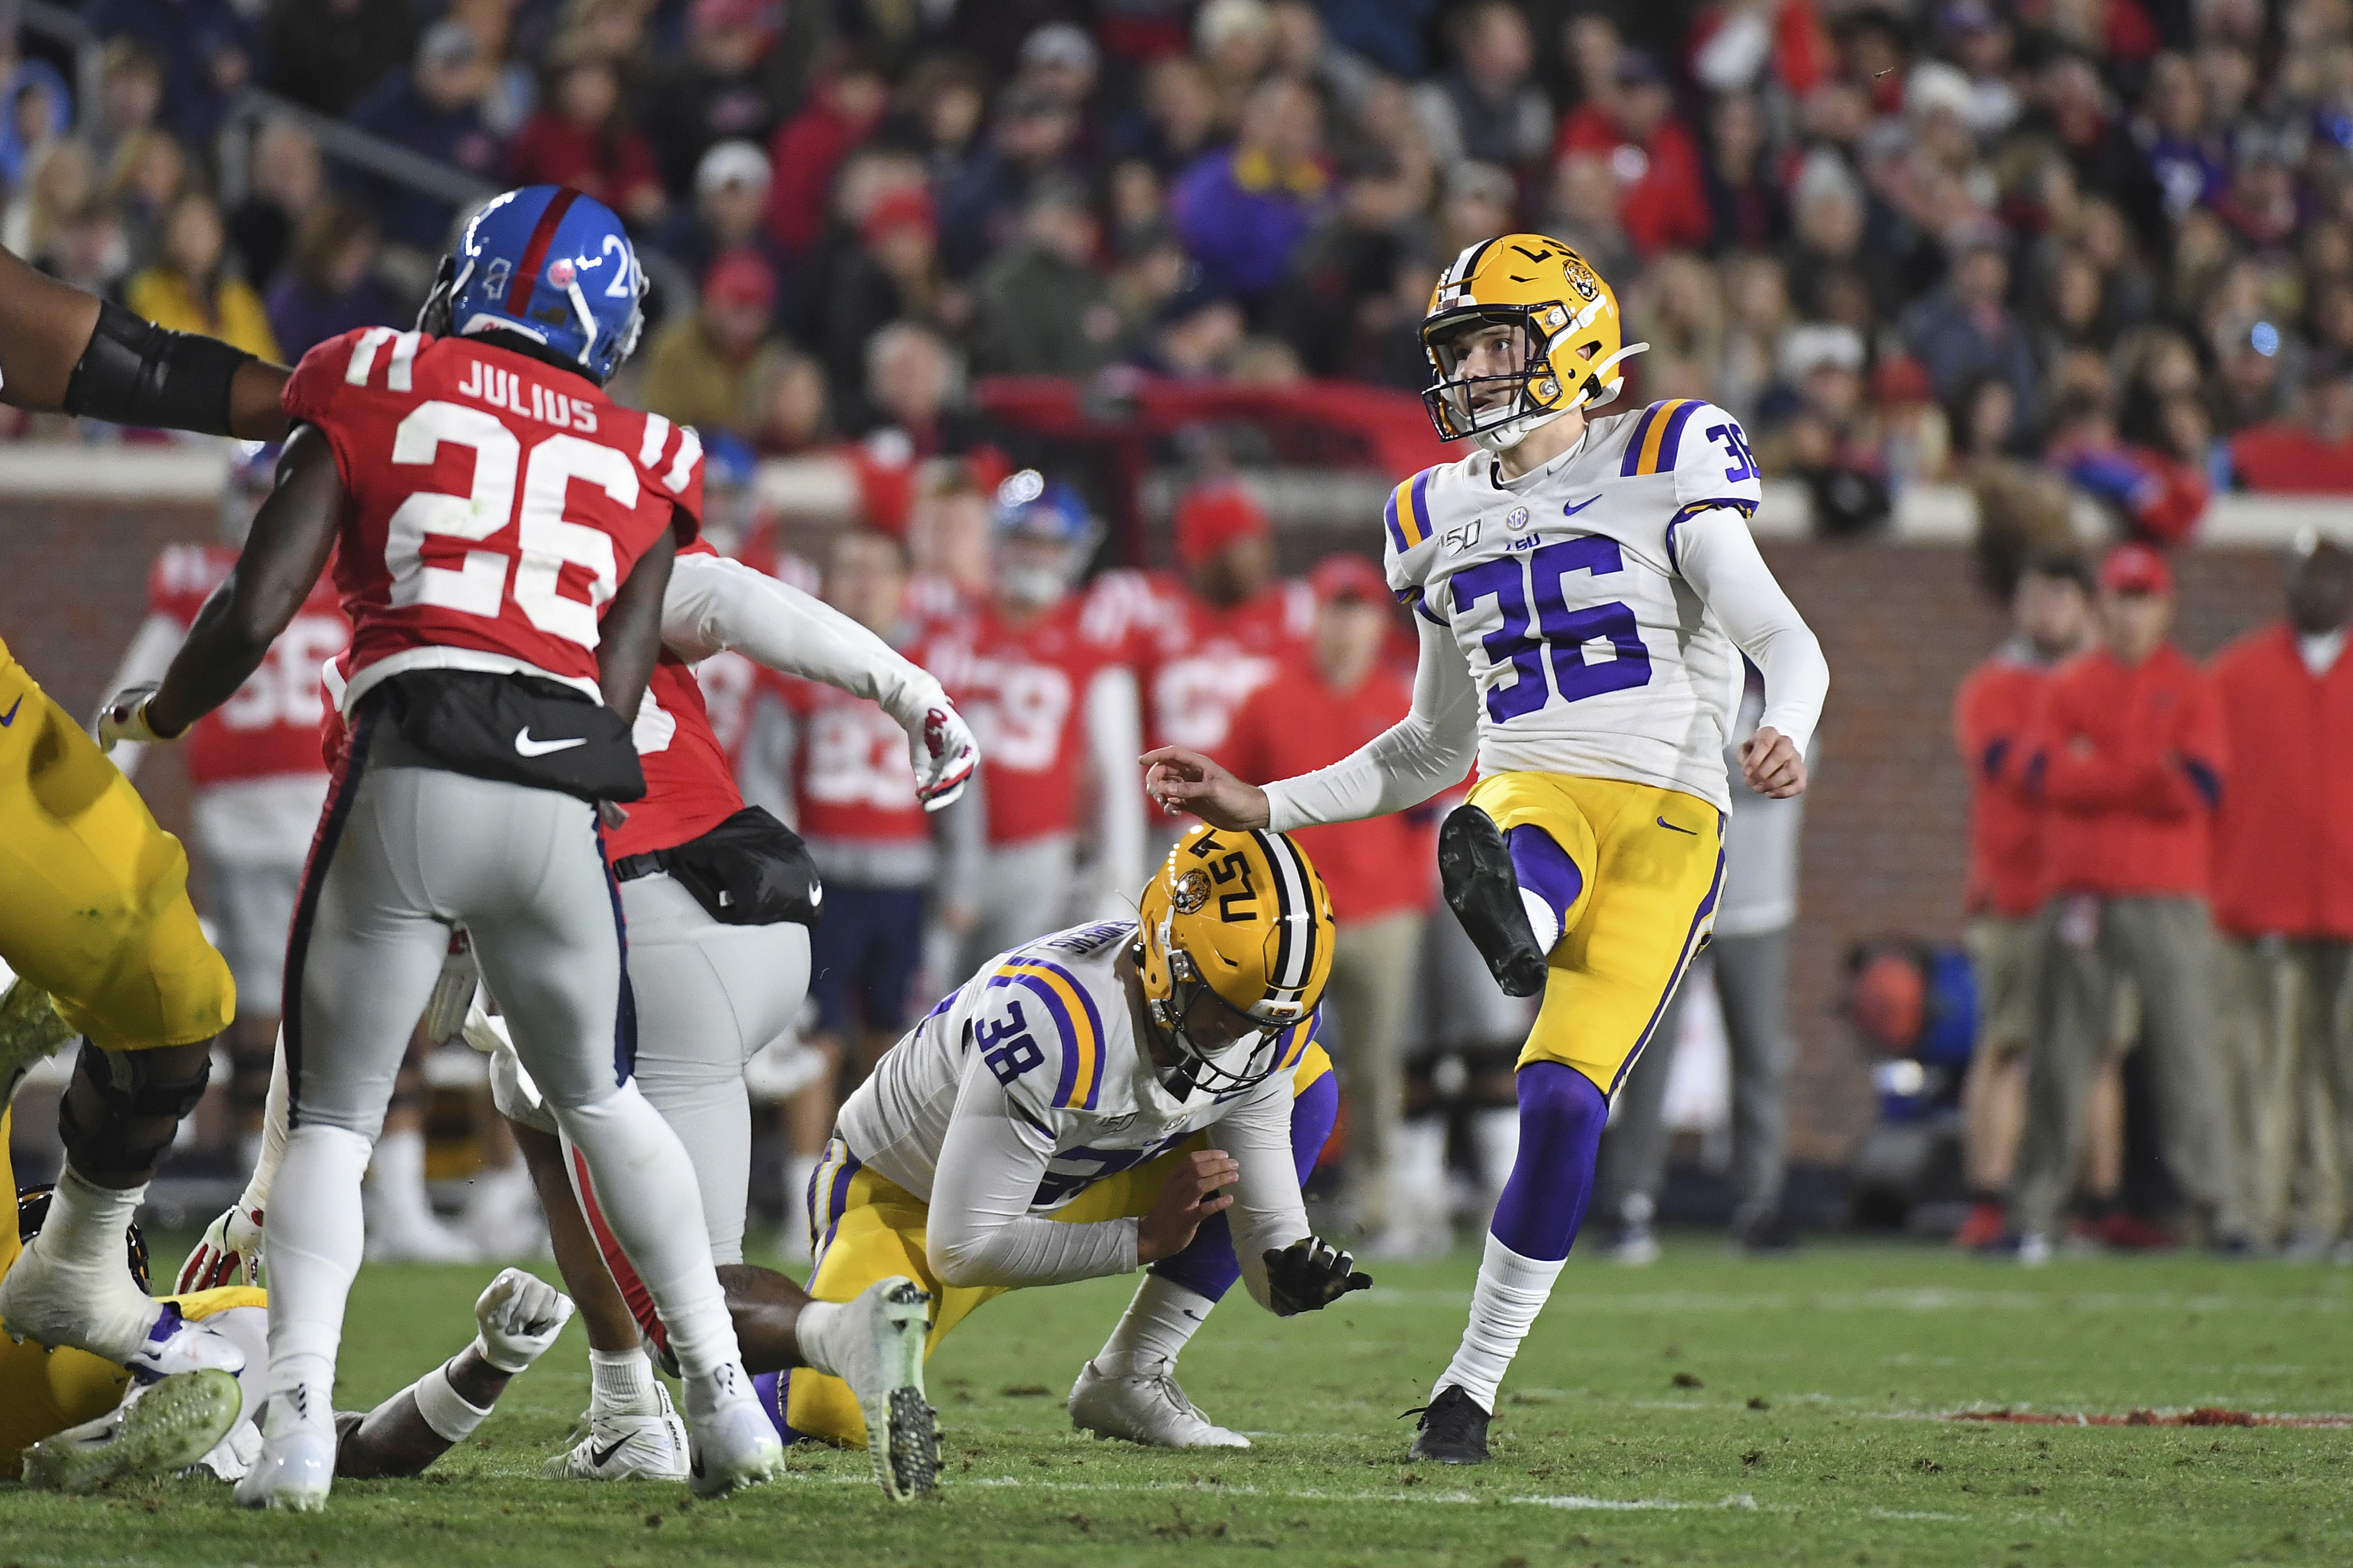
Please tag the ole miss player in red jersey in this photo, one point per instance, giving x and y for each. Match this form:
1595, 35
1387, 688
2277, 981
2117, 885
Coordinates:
1055, 704
503, 534
1222, 630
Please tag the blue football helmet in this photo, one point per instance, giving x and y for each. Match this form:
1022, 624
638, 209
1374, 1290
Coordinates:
549, 263
1044, 536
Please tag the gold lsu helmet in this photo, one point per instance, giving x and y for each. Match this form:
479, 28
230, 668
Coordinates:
1242, 919
1570, 333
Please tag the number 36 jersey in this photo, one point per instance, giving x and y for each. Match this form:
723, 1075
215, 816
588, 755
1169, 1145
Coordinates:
1592, 655
1043, 1036
494, 505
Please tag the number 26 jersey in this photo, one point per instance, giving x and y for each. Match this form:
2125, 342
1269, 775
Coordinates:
1592, 655
494, 505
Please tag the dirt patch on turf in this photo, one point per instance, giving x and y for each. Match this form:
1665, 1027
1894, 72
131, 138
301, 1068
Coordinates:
2204, 1416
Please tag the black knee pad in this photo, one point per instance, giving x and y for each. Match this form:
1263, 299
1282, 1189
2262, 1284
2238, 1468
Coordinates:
140, 1108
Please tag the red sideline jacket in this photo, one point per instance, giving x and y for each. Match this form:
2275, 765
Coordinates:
2132, 761
1993, 715
2283, 842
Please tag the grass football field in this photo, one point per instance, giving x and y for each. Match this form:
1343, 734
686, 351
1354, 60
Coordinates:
1708, 1410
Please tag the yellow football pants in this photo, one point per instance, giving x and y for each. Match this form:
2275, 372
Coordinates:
42, 1391
1652, 864
881, 1233
93, 895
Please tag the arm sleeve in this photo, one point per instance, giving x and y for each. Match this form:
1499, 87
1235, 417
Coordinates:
981, 1230
1428, 750
1268, 1213
714, 602
1114, 725
159, 636
1716, 555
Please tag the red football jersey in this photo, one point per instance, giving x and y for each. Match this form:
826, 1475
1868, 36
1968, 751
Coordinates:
853, 777
1024, 691
1201, 662
493, 504
690, 778
270, 727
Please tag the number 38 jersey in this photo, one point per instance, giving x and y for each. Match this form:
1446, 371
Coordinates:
494, 505
1592, 654
1049, 1023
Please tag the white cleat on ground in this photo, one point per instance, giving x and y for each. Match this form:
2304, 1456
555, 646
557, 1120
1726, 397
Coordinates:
1146, 1407
620, 1447
730, 1441
99, 1308
297, 1466
881, 1359
159, 1427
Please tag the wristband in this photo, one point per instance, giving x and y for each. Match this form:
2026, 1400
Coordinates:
444, 1408
135, 372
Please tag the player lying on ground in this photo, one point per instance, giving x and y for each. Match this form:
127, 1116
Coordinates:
503, 534
1104, 1127
77, 1421
1584, 589
93, 895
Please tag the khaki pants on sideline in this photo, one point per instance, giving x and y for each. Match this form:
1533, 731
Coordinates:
1372, 970
2165, 947
2292, 1088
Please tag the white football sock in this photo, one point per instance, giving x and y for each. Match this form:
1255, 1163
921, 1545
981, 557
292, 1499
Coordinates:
1495, 1135
1541, 918
1511, 1290
645, 1185
1158, 1323
622, 1382
396, 1178
316, 1237
83, 1236
813, 1334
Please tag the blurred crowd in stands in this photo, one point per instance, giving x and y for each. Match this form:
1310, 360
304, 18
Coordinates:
2046, 248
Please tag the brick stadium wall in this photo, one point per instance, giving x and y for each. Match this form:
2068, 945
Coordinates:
1884, 849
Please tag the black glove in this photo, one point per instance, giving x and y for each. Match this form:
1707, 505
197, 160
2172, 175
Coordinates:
1309, 1276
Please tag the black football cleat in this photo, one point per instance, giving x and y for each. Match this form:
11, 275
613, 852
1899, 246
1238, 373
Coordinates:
1452, 1429
1474, 868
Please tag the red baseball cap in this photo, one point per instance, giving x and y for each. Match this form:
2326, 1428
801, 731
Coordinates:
2134, 569
1213, 516
1344, 578
741, 278
911, 207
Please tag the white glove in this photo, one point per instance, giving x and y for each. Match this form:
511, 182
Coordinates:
126, 719
453, 992
945, 755
229, 1252
519, 1316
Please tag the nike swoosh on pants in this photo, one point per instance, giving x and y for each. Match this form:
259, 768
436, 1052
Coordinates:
525, 746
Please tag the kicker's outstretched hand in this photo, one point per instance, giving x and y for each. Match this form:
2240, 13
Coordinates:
1182, 780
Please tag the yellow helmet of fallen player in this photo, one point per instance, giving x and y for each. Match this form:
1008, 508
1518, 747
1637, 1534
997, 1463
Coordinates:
1561, 322
1234, 946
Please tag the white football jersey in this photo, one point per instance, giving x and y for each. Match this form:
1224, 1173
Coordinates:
1049, 1021
1592, 654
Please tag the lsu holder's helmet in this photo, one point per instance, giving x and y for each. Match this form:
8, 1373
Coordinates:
549, 263
1242, 921
1568, 322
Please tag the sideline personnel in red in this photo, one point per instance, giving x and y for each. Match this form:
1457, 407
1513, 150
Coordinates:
2283, 876
2008, 889
1323, 703
2130, 753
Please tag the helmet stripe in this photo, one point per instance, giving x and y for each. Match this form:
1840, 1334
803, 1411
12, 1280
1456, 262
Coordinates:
535, 255
1294, 953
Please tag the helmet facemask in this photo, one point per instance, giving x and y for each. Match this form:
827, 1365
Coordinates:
1218, 1047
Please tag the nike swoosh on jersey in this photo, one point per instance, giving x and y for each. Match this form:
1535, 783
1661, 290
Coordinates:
1673, 828
1567, 511
8, 718
527, 747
